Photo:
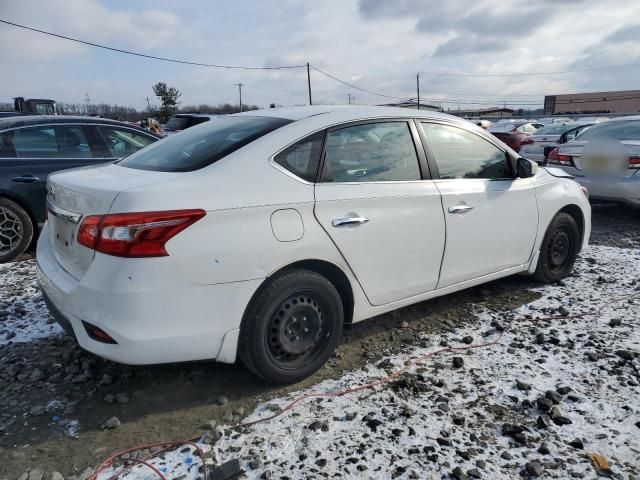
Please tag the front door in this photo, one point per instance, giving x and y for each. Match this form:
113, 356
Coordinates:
385, 219
491, 217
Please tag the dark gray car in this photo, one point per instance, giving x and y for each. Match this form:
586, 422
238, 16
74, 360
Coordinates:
32, 147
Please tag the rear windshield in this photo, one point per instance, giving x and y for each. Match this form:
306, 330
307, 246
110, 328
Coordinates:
555, 129
202, 145
619, 130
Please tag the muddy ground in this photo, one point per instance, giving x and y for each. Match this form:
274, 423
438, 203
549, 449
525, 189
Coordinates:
177, 401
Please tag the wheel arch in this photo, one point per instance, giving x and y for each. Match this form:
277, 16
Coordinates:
577, 214
330, 271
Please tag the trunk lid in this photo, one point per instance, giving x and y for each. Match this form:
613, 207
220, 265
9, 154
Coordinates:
541, 144
75, 194
576, 149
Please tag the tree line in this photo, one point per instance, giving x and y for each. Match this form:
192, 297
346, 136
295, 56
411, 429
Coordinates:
169, 105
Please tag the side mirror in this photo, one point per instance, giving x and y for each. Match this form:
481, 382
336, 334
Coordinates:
525, 168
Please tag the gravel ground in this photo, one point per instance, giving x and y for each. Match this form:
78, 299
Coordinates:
56, 397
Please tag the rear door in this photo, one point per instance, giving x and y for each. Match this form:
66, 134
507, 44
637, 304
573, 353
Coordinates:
377, 203
491, 218
30, 154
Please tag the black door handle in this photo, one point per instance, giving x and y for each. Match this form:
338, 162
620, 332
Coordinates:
25, 179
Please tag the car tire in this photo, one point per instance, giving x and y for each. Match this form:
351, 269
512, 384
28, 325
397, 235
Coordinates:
559, 249
16, 230
291, 327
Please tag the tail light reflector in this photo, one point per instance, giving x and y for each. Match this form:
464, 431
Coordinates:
98, 334
559, 159
634, 161
140, 234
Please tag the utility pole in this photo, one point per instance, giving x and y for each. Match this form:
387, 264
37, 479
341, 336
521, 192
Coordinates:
418, 88
309, 83
349, 98
148, 104
240, 91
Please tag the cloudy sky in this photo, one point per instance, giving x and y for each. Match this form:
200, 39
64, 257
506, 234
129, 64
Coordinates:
379, 45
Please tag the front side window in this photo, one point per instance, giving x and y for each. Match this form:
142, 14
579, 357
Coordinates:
202, 145
462, 154
374, 152
64, 141
122, 142
303, 157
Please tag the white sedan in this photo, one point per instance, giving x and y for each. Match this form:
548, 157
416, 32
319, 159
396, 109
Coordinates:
258, 236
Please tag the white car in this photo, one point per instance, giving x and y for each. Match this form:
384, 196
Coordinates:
258, 236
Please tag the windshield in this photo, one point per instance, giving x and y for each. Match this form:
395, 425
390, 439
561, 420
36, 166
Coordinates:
203, 144
555, 129
619, 130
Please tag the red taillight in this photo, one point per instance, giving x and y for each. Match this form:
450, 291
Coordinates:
559, 159
141, 234
634, 161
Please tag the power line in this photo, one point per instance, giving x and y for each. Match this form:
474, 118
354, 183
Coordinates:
355, 86
152, 57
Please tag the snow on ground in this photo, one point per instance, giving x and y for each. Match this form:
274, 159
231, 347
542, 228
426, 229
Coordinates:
23, 314
534, 404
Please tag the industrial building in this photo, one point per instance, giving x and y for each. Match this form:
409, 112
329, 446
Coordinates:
625, 101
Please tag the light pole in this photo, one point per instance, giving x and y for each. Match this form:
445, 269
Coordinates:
240, 92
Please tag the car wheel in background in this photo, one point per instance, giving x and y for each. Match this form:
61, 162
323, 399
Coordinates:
16, 230
559, 249
291, 327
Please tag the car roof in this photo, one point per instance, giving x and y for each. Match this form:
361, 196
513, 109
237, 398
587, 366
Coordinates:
629, 117
205, 115
346, 112
23, 121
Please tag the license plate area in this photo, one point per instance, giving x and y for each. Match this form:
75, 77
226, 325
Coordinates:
62, 231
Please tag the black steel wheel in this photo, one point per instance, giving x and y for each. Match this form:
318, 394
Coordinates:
559, 249
16, 230
291, 327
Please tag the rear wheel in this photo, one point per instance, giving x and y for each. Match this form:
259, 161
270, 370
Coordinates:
291, 327
16, 230
559, 249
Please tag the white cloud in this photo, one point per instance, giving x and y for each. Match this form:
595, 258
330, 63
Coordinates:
366, 42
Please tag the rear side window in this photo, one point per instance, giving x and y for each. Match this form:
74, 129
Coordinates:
303, 157
64, 141
121, 142
202, 145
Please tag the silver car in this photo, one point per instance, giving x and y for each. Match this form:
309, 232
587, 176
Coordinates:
549, 137
605, 159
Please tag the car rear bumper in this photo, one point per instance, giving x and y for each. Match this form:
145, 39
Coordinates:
146, 305
625, 189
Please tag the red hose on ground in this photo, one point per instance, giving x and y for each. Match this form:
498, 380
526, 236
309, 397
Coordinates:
108, 462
